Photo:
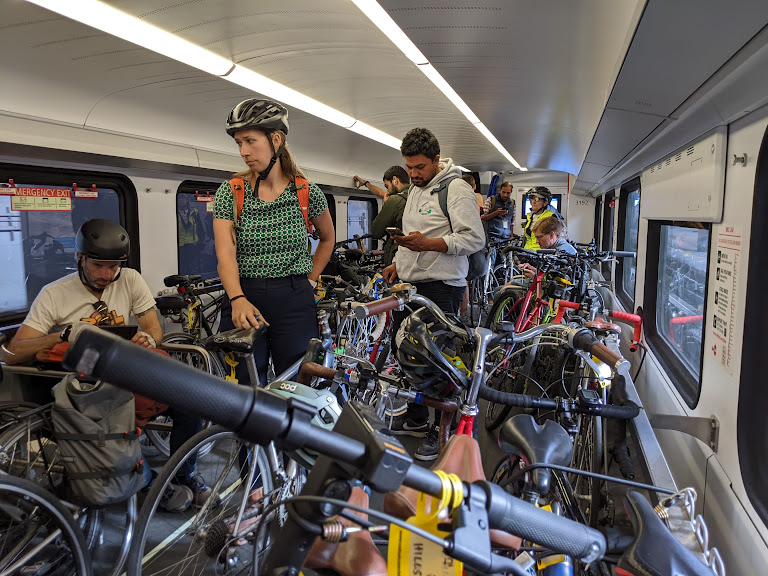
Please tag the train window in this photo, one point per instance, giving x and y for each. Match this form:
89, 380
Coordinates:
607, 230
39, 221
194, 228
629, 221
360, 215
598, 213
675, 297
751, 423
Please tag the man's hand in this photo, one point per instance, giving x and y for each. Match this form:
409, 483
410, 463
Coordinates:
144, 339
417, 242
358, 181
77, 329
390, 274
528, 270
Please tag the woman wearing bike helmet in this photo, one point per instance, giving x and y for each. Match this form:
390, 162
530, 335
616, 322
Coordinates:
540, 196
264, 261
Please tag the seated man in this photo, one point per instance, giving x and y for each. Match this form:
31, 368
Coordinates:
101, 293
550, 235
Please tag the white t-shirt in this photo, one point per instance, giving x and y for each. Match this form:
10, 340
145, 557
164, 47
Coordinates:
67, 300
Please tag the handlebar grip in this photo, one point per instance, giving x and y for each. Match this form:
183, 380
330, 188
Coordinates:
377, 307
561, 307
518, 517
546, 251
602, 352
623, 254
310, 370
518, 250
637, 323
626, 412
135, 368
517, 400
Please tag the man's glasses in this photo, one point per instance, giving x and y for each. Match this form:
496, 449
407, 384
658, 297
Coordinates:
103, 310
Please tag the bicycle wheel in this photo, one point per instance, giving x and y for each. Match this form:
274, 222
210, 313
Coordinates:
503, 309
29, 450
588, 456
37, 530
201, 541
505, 381
161, 439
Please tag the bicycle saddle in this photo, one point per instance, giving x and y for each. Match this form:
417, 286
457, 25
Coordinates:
548, 443
460, 456
655, 551
237, 340
358, 556
179, 280
170, 303
602, 326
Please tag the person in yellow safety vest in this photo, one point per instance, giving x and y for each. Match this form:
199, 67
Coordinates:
191, 236
540, 197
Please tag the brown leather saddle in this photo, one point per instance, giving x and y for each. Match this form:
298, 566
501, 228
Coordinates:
460, 456
358, 556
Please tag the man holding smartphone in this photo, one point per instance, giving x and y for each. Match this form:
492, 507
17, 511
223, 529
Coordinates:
499, 213
389, 221
432, 252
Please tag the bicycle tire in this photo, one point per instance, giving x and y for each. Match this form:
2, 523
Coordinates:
30, 501
496, 414
588, 456
181, 548
38, 461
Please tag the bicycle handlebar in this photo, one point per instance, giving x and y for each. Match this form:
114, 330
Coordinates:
622, 254
637, 323
378, 306
263, 417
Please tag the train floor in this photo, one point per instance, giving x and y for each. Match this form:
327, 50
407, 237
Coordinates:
619, 531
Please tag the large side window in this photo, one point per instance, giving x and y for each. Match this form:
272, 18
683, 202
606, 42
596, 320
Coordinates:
606, 243
39, 218
752, 425
332, 210
675, 294
194, 228
629, 221
360, 215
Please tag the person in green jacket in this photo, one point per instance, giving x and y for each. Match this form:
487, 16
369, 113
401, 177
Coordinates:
397, 182
540, 197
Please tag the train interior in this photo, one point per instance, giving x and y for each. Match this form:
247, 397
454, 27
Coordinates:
647, 119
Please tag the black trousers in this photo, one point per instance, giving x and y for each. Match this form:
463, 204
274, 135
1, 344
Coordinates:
448, 298
288, 305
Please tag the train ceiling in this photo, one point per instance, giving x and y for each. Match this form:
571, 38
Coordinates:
563, 85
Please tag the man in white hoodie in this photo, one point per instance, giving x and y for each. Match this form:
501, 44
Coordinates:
432, 253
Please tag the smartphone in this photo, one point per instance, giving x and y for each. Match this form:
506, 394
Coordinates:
392, 231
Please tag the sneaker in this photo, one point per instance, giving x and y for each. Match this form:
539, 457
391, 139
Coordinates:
201, 492
176, 498
404, 427
429, 448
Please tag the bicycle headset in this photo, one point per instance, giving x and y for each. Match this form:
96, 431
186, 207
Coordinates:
429, 356
326, 415
265, 116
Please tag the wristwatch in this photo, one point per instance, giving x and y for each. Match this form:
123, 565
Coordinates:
65, 333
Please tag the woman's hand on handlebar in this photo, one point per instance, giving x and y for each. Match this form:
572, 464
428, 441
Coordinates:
390, 274
246, 315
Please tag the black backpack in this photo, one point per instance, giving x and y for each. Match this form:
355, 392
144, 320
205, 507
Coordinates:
478, 261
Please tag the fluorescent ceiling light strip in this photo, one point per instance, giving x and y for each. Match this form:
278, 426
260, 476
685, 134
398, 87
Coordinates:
102, 17
263, 85
375, 134
384, 22
492, 139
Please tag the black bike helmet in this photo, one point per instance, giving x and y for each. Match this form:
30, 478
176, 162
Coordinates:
428, 354
541, 192
100, 239
263, 115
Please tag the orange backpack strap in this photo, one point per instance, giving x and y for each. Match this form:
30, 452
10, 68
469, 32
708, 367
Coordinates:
302, 191
238, 198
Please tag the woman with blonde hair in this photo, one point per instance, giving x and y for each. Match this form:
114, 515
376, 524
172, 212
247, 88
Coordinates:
263, 253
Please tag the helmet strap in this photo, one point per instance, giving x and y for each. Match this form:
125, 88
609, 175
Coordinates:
275, 155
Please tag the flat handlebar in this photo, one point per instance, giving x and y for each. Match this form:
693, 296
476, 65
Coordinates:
262, 417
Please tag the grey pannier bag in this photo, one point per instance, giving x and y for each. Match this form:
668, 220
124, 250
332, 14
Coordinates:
95, 429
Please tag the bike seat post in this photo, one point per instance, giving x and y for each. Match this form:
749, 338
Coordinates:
253, 372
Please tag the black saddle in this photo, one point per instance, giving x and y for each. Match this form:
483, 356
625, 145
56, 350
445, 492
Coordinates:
170, 304
239, 341
538, 444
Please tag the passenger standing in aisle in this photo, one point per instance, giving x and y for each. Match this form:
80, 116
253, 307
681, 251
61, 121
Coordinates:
391, 216
432, 255
264, 260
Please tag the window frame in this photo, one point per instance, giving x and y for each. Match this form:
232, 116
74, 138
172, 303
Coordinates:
626, 297
753, 394
606, 230
373, 242
687, 385
598, 219
127, 199
190, 187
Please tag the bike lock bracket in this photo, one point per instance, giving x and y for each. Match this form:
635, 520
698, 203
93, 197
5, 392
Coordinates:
705, 429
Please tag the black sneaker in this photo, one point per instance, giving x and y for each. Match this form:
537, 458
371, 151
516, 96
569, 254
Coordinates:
404, 427
429, 449
200, 492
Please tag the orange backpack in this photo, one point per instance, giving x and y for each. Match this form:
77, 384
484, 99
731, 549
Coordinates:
302, 191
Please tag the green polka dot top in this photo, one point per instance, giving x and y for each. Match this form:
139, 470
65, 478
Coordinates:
272, 236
